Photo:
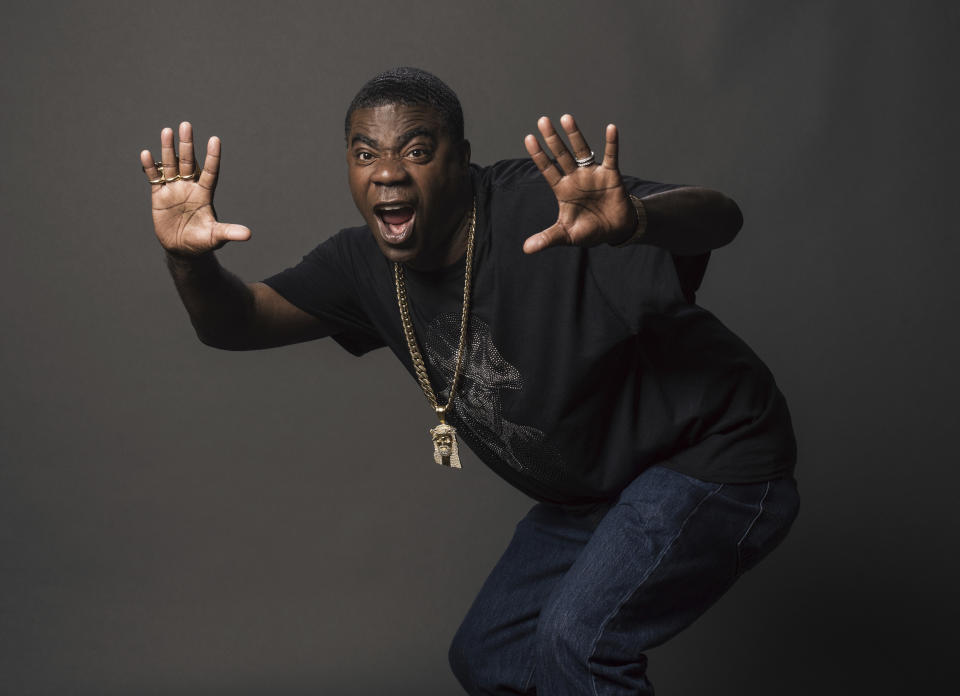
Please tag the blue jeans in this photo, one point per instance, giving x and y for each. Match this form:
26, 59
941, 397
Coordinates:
581, 592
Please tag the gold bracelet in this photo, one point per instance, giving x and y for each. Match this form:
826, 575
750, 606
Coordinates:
641, 227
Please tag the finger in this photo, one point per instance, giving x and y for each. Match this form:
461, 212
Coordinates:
187, 158
539, 157
556, 145
580, 148
211, 164
552, 236
611, 148
168, 155
226, 232
149, 168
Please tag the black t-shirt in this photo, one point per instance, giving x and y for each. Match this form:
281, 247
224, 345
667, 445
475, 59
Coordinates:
583, 367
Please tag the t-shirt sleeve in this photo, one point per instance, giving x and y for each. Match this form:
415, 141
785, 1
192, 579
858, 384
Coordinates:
641, 187
690, 269
324, 284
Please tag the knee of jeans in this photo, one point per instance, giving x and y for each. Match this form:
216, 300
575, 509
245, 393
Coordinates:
769, 528
564, 639
460, 658
468, 659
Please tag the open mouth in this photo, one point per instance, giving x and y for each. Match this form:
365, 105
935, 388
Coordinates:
396, 222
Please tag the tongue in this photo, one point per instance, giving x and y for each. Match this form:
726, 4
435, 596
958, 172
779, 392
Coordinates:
397, 217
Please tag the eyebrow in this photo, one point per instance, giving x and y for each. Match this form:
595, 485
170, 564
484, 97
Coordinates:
416, 133
364, 139
404, 139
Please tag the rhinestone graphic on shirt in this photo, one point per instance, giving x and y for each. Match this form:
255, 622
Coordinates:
479, 405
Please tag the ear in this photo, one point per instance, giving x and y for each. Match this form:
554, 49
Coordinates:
465, 153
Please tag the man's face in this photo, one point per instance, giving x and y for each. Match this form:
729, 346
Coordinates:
444, 442
409, 181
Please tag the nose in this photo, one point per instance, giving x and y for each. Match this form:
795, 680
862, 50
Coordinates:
389, 172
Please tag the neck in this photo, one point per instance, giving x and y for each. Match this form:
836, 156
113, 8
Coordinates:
455, 243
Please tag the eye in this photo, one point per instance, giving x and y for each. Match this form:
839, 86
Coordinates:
419, 153
364, 156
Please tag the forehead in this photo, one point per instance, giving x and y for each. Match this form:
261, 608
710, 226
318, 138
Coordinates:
390, 122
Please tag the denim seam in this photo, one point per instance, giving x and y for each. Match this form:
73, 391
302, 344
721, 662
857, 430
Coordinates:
628, 595
526, 682
750, 526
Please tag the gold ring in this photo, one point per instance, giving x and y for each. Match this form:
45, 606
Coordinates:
171, 179
187, 177
158, 180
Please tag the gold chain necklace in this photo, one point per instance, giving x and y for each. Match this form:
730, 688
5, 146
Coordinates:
444, 436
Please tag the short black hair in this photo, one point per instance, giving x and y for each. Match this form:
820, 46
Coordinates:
410, 87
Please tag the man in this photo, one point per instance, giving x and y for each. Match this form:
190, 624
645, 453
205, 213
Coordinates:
657, 444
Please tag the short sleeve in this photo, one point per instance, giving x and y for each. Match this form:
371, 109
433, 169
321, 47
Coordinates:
641, 188
323, 284
690, 269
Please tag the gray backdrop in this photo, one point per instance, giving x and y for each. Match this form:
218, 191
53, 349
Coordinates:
179, 520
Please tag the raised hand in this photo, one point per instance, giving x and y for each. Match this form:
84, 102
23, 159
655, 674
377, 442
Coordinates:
182, 196
594, 204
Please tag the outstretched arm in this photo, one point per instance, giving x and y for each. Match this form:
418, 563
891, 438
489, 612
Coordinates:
595, 207
225, 311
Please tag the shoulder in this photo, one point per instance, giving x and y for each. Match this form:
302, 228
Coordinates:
355, 238
349, 245
509, 174
512, 191
513, 198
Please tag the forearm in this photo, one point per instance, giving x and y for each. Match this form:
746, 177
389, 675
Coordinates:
687, 221
221, 306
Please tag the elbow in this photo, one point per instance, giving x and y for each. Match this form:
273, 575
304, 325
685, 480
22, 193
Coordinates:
223, 341
215, 342
715, 223
732, 221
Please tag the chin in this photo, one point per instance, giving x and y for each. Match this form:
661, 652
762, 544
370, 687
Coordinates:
395, 254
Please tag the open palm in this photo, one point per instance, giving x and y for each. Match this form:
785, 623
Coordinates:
182, 197
594, 206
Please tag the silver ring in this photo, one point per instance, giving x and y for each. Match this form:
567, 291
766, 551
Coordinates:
586, 161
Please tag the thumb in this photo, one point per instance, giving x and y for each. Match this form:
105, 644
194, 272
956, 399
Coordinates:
555, 235
226, 232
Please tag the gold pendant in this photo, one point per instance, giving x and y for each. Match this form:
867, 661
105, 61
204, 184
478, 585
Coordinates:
445, 446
